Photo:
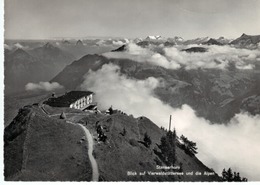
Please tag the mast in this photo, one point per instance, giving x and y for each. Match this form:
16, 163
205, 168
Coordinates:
170, 122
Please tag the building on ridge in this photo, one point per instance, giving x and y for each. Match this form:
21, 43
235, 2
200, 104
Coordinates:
82, 100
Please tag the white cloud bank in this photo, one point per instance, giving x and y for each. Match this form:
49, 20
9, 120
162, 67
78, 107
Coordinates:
234, 145
18, 45
6, 46
46, 86
118, 43
217, 57
15, 46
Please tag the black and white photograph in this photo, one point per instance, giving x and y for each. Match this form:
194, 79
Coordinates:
131, 91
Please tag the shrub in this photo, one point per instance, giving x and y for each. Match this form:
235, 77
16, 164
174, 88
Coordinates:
232, 177
147, 140
168, 148
188, 146
123, 133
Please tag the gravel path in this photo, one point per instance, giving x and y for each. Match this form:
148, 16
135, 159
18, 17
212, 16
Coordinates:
95, 173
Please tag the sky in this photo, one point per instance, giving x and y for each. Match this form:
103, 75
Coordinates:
45, 19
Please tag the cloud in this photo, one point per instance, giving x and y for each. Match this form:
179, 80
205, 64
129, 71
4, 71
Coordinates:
160, 60
6, 46
126, 40
112, 42
46, 86
15, 46
143, 55
235, 144
216, 57
136, 90
18, 45
118, 43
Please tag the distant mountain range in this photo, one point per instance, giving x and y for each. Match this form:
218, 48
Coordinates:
246, 40
205, 90
212, 42
39, 64
47, 62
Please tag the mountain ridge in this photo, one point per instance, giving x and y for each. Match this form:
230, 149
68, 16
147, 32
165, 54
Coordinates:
51, 131
39, 64
180, 85
33, 152
246, 40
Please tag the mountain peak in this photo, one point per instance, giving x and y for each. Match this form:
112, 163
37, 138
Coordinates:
178, 38
246, 40
48, 45
65, 42
151, 37
121, 48
198, 40
19, 56
212, 41
79, 43
20, 52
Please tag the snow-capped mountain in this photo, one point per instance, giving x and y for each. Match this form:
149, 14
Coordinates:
224, 40
151, 37
199, 40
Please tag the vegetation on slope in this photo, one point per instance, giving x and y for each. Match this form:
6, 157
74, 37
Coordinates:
44, 149
125, 157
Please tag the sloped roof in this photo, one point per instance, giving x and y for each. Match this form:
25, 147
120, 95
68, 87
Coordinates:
68, 98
